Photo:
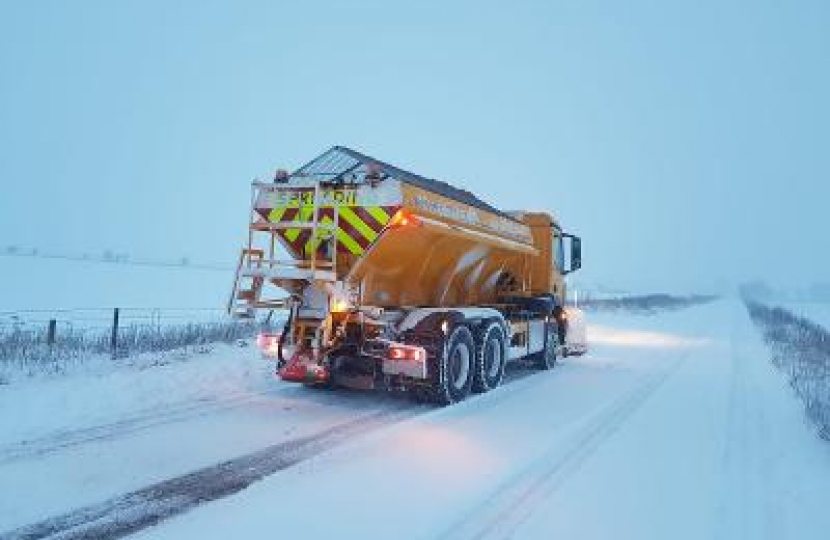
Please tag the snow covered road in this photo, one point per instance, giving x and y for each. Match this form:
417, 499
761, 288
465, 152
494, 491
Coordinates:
674, 426
136, 510
104, 462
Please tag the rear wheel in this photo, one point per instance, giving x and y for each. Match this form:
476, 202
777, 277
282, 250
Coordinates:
546, 359
490, 358
453, 377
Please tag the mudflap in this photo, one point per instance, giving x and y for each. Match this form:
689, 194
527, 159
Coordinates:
353, 372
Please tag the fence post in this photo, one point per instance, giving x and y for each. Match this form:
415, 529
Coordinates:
114, 336
50, 334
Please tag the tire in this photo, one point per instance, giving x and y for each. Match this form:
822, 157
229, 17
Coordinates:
420, 394
454, 369
547, 358
491, 356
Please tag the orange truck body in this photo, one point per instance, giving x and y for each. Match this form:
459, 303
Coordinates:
371, 246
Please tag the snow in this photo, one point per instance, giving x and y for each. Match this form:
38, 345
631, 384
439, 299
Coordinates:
683, 431
720, 451
99, 435
817, 312
673, 426
106, 392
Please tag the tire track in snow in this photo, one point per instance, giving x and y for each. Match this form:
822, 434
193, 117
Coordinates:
126, 514
63, 439
131, 512
500, 515
731, 513
750, 501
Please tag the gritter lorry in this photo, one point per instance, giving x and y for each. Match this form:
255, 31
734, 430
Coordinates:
396, 280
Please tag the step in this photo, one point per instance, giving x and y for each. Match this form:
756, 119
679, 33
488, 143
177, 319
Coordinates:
246, 313
246, 294
289, 273
271, 303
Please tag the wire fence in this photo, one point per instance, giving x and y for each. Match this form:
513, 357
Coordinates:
51, 341
101, 318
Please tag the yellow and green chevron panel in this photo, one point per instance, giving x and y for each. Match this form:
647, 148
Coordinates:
357, 226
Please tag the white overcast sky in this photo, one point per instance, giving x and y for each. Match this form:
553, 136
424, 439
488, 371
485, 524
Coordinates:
688, 142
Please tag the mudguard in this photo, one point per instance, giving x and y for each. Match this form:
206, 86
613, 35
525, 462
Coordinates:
576, 340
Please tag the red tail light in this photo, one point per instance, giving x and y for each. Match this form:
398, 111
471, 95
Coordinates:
406, 352
268, 343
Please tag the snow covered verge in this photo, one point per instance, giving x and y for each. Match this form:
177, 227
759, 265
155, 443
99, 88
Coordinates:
801, 349
97, 390
647, 304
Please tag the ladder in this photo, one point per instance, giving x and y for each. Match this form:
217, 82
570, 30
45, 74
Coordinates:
254, 271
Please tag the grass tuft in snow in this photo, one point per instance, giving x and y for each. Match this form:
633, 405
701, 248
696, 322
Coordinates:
24, 351
801, 349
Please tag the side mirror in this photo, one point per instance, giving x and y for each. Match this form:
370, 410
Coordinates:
576, 252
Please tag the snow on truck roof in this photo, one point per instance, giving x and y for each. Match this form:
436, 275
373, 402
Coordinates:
339, 161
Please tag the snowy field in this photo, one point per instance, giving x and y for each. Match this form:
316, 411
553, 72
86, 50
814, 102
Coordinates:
82, 295
673, 426
66, 285
160, 310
